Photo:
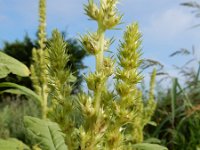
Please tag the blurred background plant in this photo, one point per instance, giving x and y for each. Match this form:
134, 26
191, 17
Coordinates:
177, 116
13, 109
177, 113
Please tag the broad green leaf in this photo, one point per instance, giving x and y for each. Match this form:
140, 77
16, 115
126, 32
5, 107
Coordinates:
9, 64
12, 144
4, 71
24, 90
48, 134
12, 91
147, 146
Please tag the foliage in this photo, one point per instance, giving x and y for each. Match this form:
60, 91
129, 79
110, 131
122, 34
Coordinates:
24, 48
177, 113
47, 134
8, 124
147, 146
22, 51
11, 65
4, 123
12, 144
12, 112
100, 118
19, 90
177, 119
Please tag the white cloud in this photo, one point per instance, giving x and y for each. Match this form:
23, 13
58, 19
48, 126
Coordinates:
169, 24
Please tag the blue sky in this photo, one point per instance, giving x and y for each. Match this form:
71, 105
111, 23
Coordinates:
165, 24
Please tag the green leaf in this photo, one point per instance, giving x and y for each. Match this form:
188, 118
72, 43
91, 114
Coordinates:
152, 141
153, 123
173, 98
48, 134
147, 146
4, 71
12, 91
9, 64
12, 144
23, 90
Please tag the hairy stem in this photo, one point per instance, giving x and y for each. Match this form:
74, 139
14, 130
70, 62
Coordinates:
99, 65
99, 56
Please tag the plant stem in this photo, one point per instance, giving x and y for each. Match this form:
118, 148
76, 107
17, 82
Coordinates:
99, 65
99, 56
44, 98
97, 94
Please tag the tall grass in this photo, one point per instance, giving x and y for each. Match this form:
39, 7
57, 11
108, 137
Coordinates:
178, 111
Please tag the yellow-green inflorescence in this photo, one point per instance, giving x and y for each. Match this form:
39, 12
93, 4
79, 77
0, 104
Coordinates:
64, 108
128, 76
113, 120
39, 65
107, 17
100, 119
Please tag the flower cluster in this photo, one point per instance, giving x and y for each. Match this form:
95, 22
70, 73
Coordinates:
99, 119
106, 15
128, 76
39, 66
90, 43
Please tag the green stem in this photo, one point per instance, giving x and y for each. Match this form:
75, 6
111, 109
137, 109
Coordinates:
44, 101
99, 56
99, 65
97, 95
98, 100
